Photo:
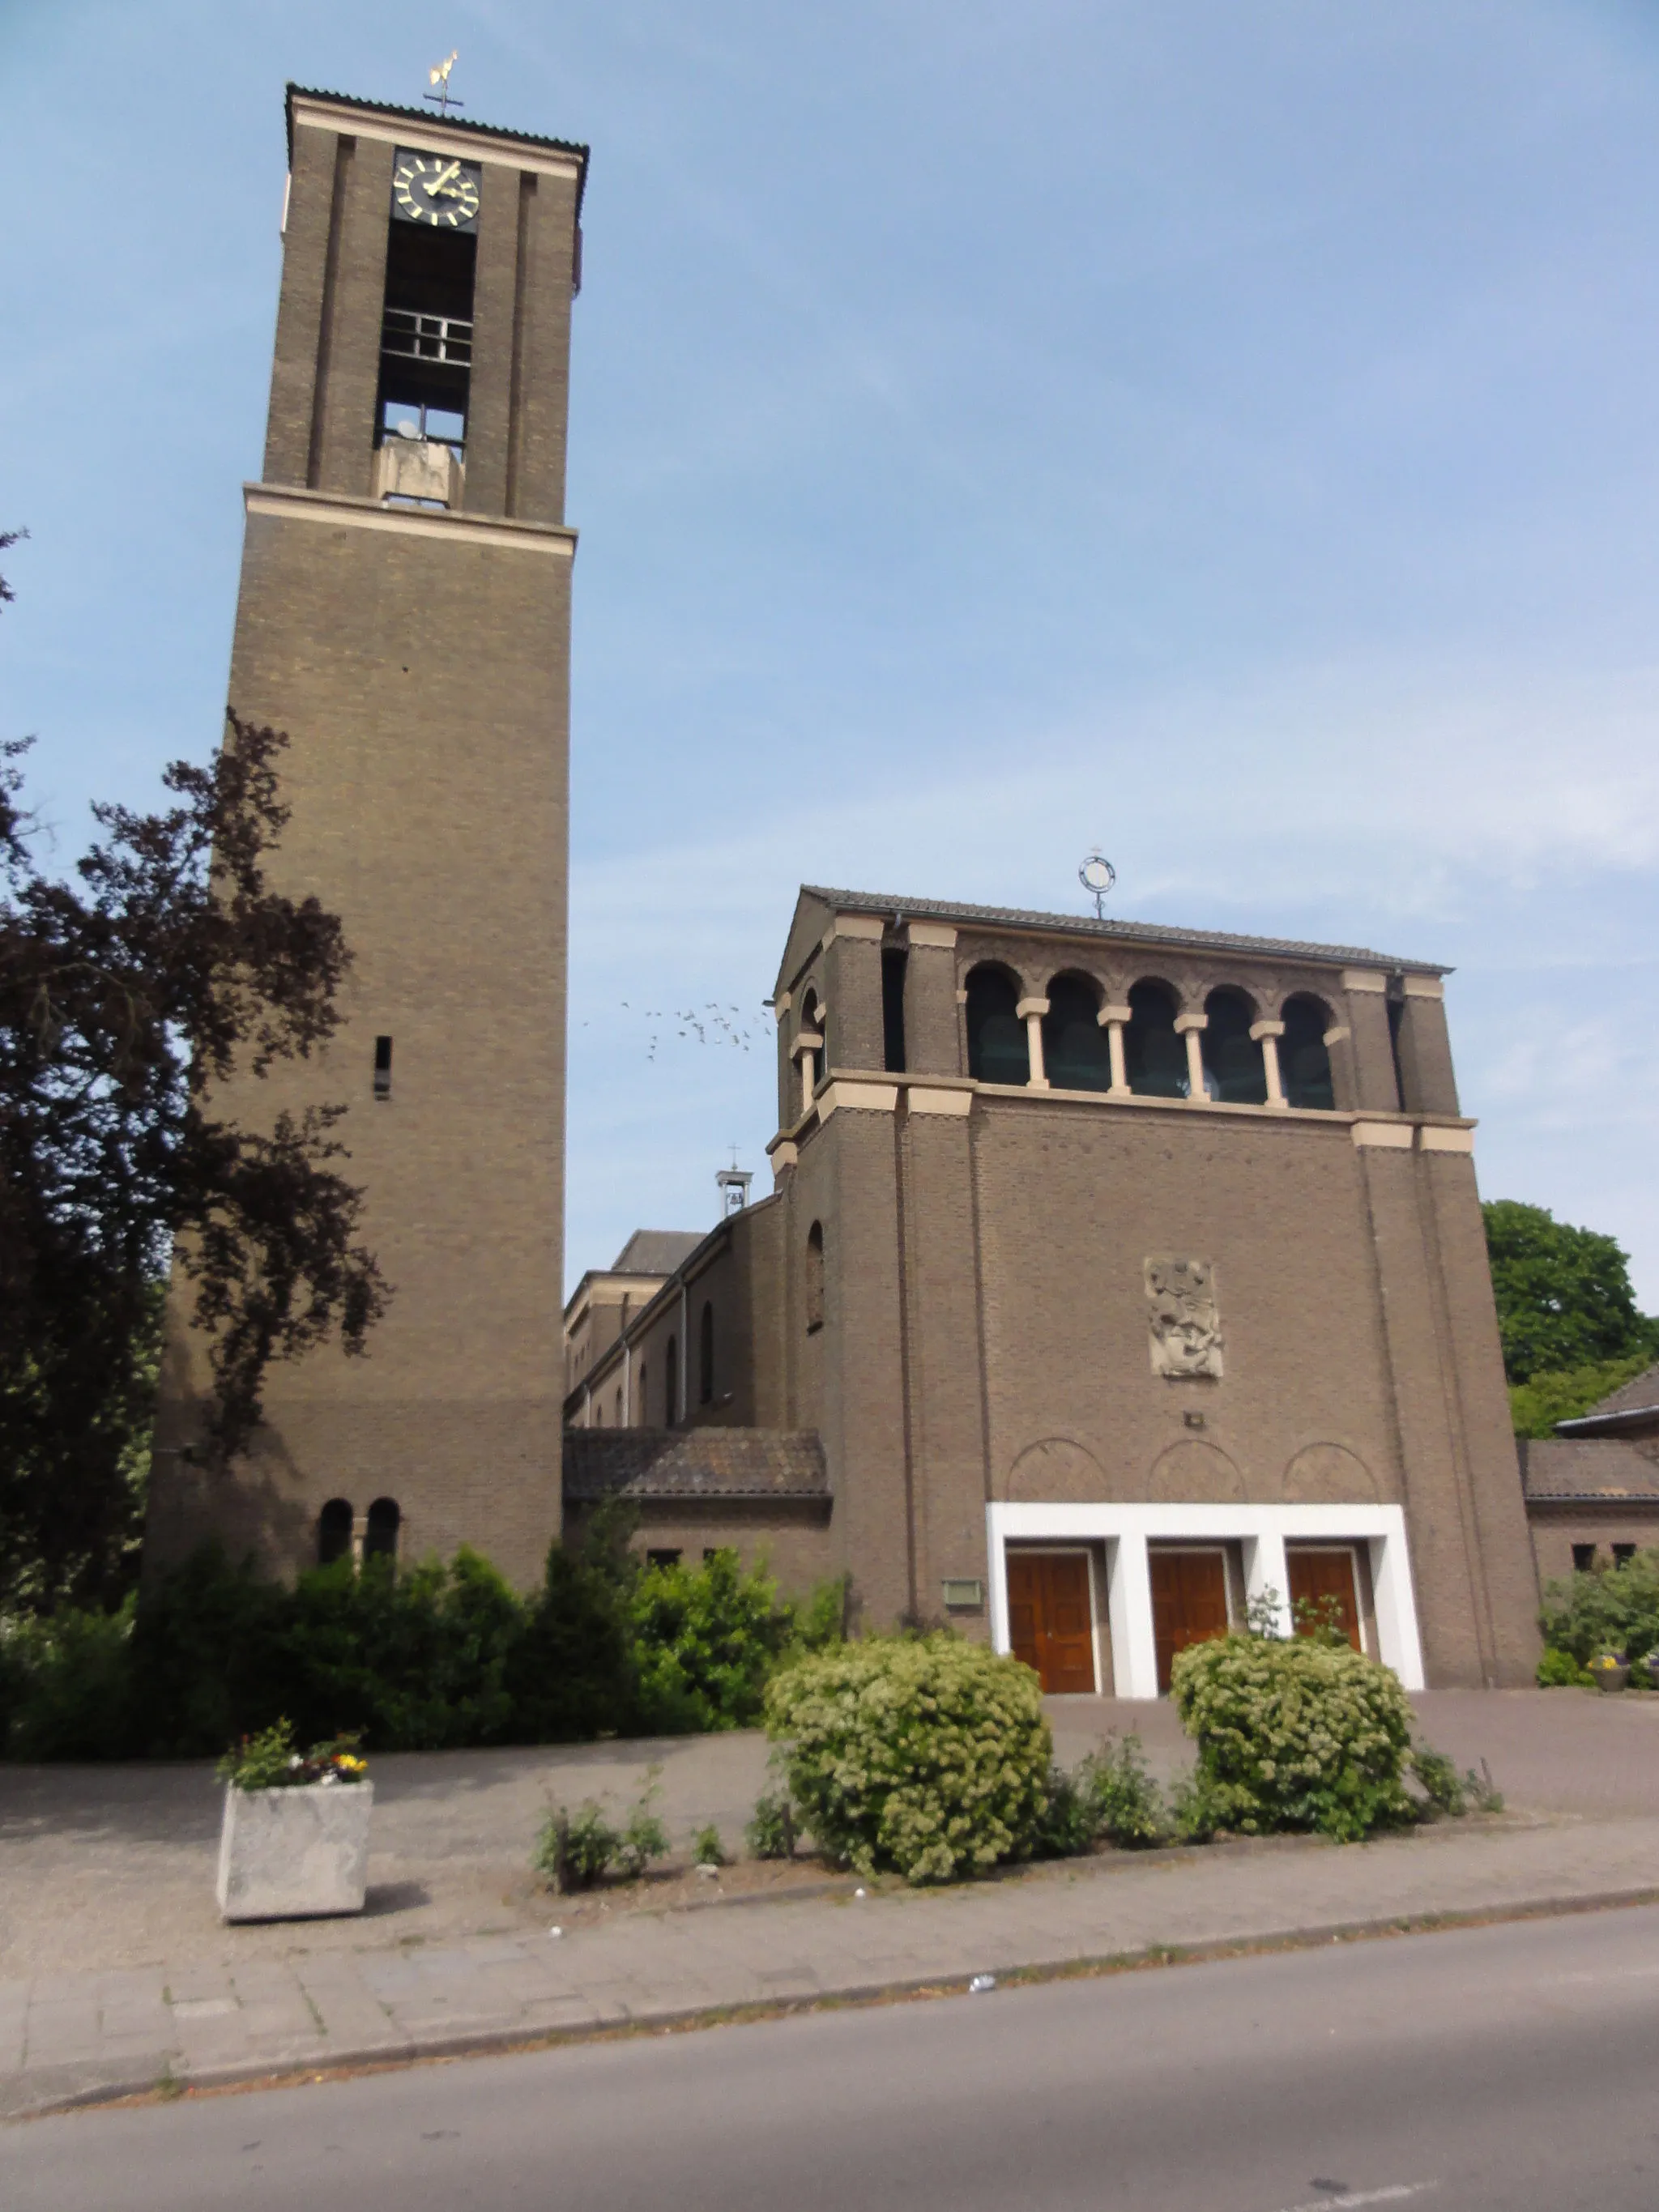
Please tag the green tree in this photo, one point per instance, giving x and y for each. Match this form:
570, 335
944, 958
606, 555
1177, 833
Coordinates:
1563, 1294
130, 988
1539, 1404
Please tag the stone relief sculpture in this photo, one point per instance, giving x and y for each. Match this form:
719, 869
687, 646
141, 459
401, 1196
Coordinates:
1181, 1313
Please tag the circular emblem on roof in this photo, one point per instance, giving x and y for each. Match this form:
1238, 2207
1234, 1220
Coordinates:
1096, 876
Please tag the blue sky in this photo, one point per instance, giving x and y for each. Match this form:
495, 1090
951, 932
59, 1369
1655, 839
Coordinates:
1228, 433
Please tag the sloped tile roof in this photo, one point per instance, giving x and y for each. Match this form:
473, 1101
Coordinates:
781, 1463
1133, 933
1634, 1405
656, 1251
1590, 1470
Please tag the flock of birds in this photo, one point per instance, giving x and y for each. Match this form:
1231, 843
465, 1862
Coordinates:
711, 1023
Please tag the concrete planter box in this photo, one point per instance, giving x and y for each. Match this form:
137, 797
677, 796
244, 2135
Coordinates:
294, 1854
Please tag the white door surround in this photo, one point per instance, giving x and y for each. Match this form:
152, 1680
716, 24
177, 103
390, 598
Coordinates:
1260, 1531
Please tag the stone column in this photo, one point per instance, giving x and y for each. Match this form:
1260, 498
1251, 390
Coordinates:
806, 1043
1030, 1012
1267, 1569
1267, 1035
1113, 1020
1129, 1613
1192, 1027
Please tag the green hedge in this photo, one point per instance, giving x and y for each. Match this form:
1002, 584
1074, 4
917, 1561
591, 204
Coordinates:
1301, 1733
424, 1658
1608, 1609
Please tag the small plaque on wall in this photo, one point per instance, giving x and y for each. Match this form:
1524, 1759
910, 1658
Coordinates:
964, 1593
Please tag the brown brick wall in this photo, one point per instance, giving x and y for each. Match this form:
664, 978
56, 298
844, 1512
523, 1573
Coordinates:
1425, 1061
793, 1544
1555, 1528
344, 454
1361, 1349
932, 1025
423, 683
317, 155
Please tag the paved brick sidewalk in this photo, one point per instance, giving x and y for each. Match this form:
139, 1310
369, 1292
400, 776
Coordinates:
65, 2037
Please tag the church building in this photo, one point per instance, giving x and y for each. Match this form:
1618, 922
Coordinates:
1117, 1282
1118, 1279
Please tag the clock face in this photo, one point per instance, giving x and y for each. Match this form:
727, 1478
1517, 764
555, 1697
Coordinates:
432, 188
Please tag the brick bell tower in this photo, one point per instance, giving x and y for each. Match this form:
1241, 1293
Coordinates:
404, 616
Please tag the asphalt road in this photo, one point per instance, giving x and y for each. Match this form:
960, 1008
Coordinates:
1513, 2067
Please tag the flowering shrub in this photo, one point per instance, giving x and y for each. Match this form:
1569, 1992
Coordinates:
1293, 1734
928, 1755
270, 1761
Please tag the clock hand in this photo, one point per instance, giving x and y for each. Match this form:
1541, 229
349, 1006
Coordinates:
441, 181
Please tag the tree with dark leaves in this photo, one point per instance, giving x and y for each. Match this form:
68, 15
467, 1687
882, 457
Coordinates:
130, 993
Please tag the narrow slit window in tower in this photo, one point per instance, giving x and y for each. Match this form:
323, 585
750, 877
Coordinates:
894, 962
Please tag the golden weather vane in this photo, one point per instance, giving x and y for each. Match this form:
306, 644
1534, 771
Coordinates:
443, 99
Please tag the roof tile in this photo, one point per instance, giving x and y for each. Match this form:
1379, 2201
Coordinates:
1555, 1469
704, 1462
1133, 933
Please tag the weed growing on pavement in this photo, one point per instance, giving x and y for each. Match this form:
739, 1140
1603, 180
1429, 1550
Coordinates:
771, 1833
645, 1837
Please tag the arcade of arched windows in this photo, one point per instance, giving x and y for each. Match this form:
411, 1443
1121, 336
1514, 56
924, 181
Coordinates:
1153, 1036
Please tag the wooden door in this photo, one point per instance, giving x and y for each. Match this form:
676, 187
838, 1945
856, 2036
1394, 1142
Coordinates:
1324, 1581
1189, 1603
1049, 1622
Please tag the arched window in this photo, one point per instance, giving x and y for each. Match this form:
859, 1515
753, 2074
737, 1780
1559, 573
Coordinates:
380, 1537
997, 1048
811, 1018
670, 1393
1155, 1058
333, 1531
1075, 1053
706, 1355
1304, 1060
815, 1277
1234, 1071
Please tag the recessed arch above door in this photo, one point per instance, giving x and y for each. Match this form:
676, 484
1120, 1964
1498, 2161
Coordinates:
1057, 1469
